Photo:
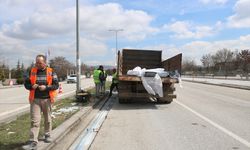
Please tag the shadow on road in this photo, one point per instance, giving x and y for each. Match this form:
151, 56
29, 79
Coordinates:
135, 104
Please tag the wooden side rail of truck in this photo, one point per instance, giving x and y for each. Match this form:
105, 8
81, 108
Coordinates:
130, 87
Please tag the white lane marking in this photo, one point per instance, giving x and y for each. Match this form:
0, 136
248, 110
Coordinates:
236, 137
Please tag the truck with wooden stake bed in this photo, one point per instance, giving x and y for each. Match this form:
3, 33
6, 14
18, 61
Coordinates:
155, 81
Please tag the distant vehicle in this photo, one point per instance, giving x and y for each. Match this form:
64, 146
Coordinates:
72, 78
88, 75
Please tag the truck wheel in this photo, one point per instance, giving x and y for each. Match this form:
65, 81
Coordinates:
164, 100
122, 100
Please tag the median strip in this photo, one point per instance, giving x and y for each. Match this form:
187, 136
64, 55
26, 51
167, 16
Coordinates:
221, 84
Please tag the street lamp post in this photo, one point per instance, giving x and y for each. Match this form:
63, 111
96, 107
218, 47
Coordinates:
78, 62
116, 32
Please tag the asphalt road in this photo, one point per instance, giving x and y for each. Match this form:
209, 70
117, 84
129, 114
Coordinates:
15, 100
204, 117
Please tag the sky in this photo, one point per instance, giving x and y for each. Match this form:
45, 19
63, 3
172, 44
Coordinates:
191, 27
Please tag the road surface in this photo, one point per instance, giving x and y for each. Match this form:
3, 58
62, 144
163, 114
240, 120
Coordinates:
204, 117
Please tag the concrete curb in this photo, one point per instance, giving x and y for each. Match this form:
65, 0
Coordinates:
223, 78
61, 131
223, 85
14, 115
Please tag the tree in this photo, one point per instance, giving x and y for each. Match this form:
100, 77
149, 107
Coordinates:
222, 59
29, 67
4, 71
22, 67
84, 68
61, 66
18, 72
188, 66
244, 57
207, 61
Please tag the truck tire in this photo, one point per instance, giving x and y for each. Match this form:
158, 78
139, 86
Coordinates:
164, 100
122, 100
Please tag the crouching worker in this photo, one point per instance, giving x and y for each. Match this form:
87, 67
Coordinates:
42, 83
114, 83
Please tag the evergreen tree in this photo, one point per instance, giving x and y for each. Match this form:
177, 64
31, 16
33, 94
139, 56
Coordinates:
19, 72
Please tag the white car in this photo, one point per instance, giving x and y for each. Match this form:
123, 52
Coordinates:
72, 78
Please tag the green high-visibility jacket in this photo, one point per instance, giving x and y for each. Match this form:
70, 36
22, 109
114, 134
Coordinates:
96, 75
115, 78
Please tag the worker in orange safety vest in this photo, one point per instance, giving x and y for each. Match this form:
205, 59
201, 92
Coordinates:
42, 83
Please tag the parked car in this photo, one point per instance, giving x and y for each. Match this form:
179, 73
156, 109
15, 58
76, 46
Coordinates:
72, 78
87, 74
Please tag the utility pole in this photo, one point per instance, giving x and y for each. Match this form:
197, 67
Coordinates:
78, 61
116, 46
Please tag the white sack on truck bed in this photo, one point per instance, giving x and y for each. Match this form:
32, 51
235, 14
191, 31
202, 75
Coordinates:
153, 85
137, 71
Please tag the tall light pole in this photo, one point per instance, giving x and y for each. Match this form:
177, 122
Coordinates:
78, 61
116, 49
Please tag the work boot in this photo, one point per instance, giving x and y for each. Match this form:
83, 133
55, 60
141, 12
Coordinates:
33, 145
47, 139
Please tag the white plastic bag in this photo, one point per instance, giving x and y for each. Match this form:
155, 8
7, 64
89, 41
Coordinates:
160, 71
137, 71
146, 85
153, 85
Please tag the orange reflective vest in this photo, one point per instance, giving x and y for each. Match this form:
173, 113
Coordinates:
49, 77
